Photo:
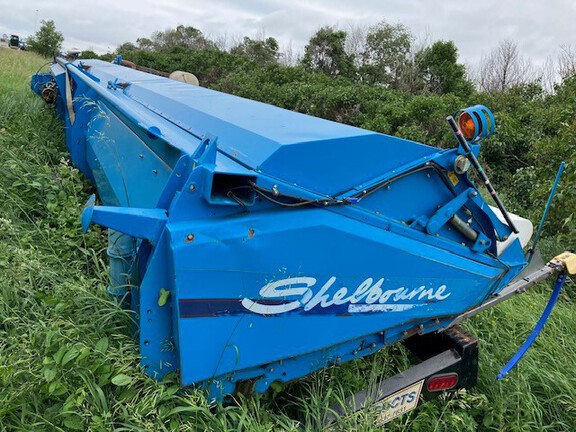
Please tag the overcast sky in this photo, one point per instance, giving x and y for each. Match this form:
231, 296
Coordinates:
538, 26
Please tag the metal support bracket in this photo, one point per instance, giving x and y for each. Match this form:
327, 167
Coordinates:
445, 213
136, 222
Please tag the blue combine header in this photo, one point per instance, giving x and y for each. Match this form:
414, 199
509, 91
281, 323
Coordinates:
256, 244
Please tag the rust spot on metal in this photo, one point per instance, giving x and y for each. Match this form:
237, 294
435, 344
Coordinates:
251, 233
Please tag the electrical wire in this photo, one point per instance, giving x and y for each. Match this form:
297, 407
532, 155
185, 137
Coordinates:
297, 204
385, 183
230, 194
273, 195
300, 201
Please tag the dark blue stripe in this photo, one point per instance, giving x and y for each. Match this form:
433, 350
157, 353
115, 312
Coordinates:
212, 307
207, 307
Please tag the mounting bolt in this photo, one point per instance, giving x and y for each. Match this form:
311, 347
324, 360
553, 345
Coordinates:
189, 238
421, 326
473, 193
191, 188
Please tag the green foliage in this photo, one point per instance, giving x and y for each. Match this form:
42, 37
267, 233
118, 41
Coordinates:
209, 65
88, 54
558, 144
47, 41
325, 53
441, 71
260, 52
182, 36
385, 56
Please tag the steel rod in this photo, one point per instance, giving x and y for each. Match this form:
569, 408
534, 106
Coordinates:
545, 214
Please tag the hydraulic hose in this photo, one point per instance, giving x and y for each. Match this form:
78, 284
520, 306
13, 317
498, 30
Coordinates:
539, 326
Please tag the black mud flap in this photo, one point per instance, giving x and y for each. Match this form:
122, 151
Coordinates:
449, 363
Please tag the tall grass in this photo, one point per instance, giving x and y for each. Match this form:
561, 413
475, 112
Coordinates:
69, 362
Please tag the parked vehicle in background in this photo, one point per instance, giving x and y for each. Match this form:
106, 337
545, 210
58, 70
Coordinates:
14, 42
22, 44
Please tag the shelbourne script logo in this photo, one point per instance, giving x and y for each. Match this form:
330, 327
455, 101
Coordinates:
368, 297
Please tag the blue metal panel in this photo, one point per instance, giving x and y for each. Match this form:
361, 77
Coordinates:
315, 244
272, 144
128, 172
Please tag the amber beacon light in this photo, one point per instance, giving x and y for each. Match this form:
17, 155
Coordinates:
476, 122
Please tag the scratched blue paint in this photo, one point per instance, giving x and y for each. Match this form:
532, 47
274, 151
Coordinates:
258, 290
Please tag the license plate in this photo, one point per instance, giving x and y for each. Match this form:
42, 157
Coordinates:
399, 403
